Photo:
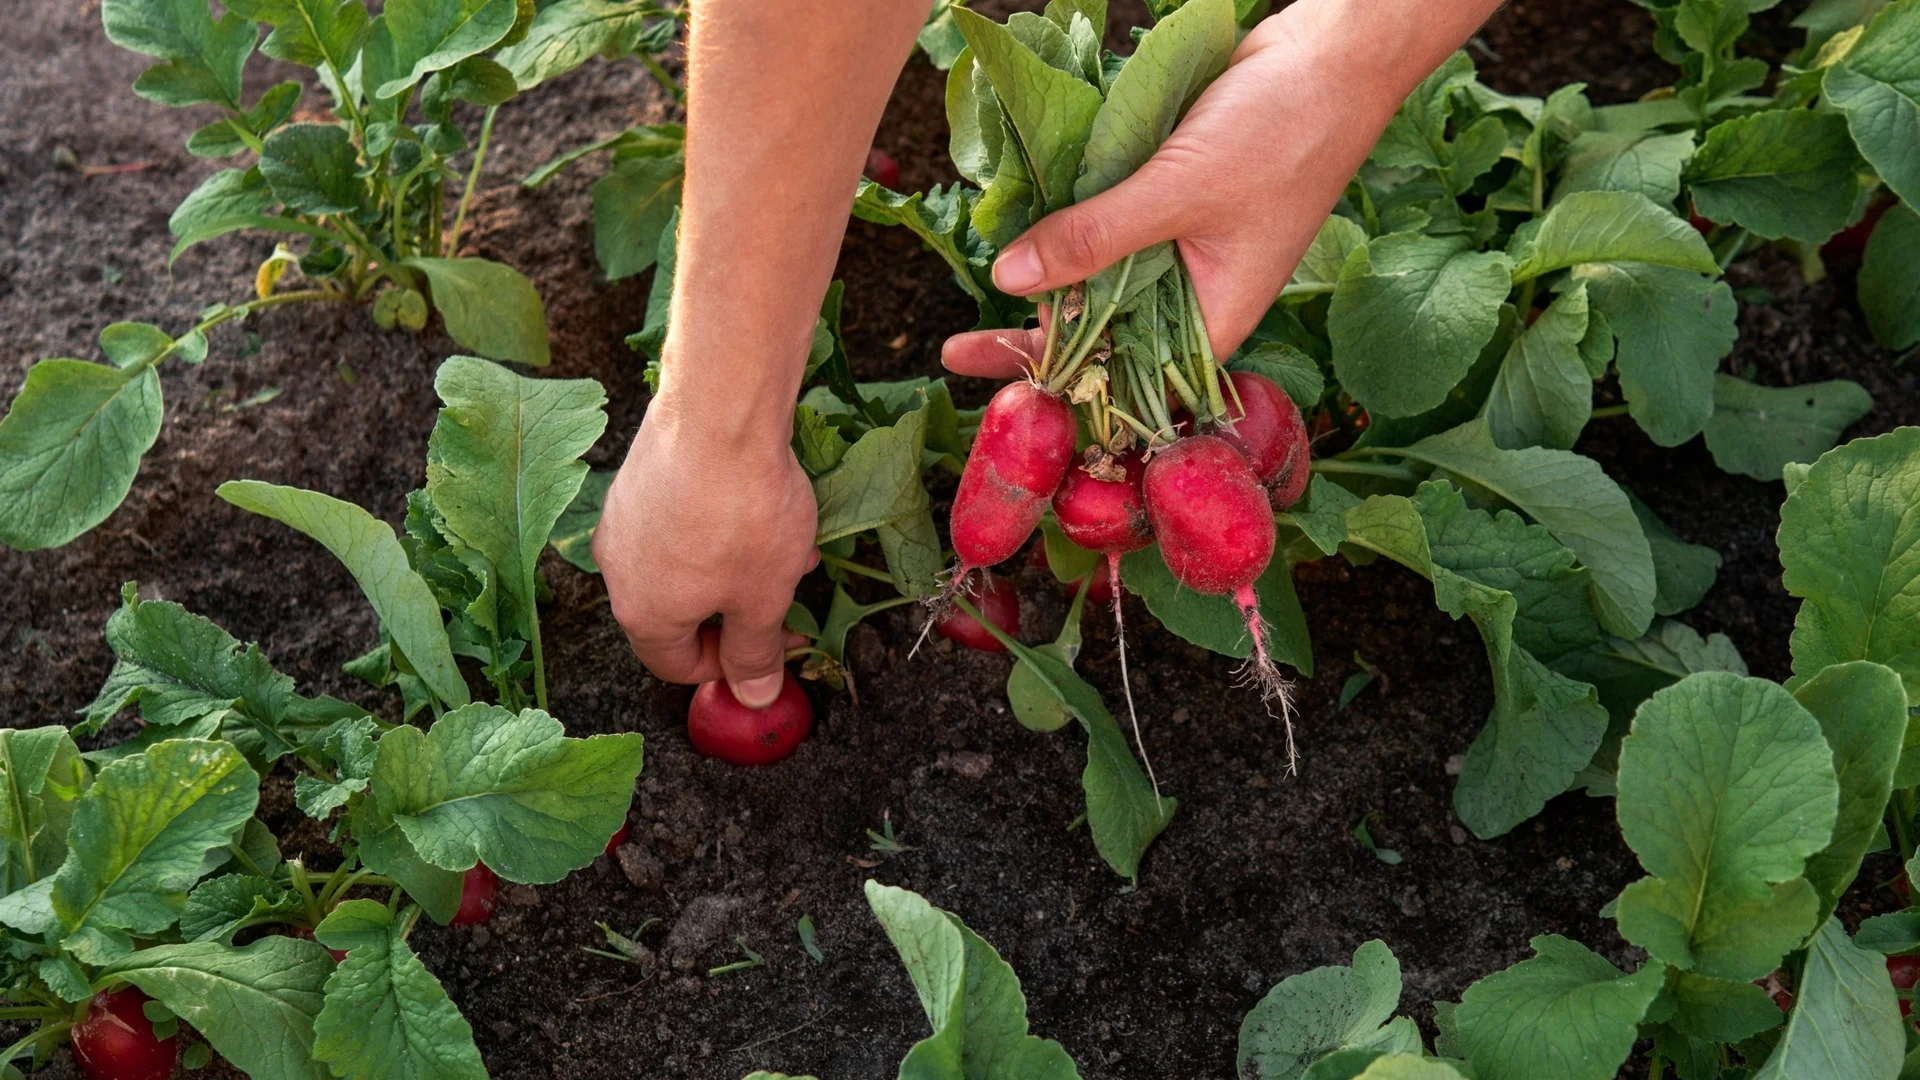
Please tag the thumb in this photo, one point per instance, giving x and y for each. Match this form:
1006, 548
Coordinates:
1075, 243
753, 655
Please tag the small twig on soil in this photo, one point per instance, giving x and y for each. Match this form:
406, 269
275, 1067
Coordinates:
613, 993
781, 1035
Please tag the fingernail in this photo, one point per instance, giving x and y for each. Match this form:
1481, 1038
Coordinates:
759, 693
1018, 270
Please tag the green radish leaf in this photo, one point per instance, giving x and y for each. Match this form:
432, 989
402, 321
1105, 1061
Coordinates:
1408, 1066
222, 906
939, 38
384, 848
41, 774
1877, 88
69, 447
1175, 61
208, 230
143, 833
65, 977
477, 80
503, 464
572, 533
369, 550
1033, 704
632, 205
1323, 517
203, 58
1410, 315
1758, 430
1543, 395
1565, 1013
1788, 173
350, 746
512, 791
1889, 290
1420, 124
1896, 932
1052, 111
1575, 500
1824, 18
384, 1013
130, 343
488, 307
1862, 709
256, 1006
431, 35
1319, 269
1609, 227
1324, 1011
1726, 786
1214, 622
915, 557
1648, 163
314, 169
1553, 614
1288, 368
877, 481
1068, 561
567, 34
975, 125
1718, 1011
1850, 548
310, 32
971, 997
1673, 327
229, 193
1683, 572
1846, 1019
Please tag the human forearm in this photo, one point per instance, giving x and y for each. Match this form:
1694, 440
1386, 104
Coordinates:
1379, 50
783, 102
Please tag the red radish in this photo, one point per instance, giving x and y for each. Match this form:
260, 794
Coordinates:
1104, 515
1019, 457
1216, 533
1851, 242
999, 602
479, 892
618, 838
115, 1040
720, 727
1904, 971
307, 932
1268, 431
882, 169
1694, 218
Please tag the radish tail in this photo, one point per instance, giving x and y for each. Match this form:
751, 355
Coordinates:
940, 604
1126, 684
1261, 672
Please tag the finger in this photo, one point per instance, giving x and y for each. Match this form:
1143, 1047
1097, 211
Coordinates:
993, 354
1073, 244
692, 656
753, 654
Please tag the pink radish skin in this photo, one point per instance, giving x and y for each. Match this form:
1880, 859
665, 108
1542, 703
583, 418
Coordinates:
1019, 457
1104, 515
1267, 430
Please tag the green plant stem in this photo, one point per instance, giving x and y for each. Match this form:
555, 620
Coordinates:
237, 311
1365, 468
297, 875
852, 567
1656, 1067
366, 246
1053, 329
47, 1031
539, 656
1183, 389
31, 1012
1092, 329
1608, 412
1148, 435
473, 181
664, 77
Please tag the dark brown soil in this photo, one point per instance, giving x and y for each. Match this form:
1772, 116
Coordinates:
1259, 876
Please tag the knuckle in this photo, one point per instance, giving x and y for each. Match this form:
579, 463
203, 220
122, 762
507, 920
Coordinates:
1084, 240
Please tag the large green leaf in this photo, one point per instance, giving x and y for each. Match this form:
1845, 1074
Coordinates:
631, 207
1626, 673
1552, 612
1323, 1011
310, 32
1862, 709
1420, 123
1759, 430
41, 775
971, 997
1051, 110
1215, 622
141, 836
255, 1006
226, 194
386, 1017
512, 791
1319, 269
1877, 87
1175, 61
489, 307
369, 550
1673, 327
1566, 1014
877, 481
1610, 227
223, 906
1410, 314
1781, 173
569, 33
1846, 1020
572, 533
1726, 786
1646, 162
431, 35
1543, 395
1850, 548
1889, 288
314, 168
503, 464
202, 58
69, 447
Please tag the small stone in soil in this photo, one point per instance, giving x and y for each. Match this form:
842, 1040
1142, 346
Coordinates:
643, 871
523, 896
1458, 834
481, 939
1456, 764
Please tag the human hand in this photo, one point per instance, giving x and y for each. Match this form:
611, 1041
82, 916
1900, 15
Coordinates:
1247, 177
703, 521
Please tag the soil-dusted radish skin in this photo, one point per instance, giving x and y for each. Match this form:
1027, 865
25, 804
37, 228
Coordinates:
1269, 433
999, 602
479, 892
1104, 515
1210, 515
1020, 455
720, 727
115, 1041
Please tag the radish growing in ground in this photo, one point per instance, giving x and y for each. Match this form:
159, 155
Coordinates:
1216, 533
1267, 429
115, 1041
618, 838
999, 602
720, 727
479, 893
882, 169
